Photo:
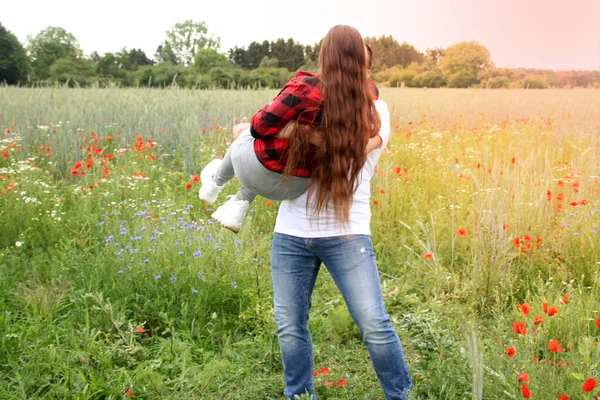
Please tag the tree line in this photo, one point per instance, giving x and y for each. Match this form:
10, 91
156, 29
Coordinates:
190, 56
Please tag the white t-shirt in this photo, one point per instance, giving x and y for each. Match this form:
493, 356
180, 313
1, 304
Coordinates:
294, 218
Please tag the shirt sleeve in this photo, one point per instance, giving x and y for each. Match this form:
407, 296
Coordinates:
385, 129
273, 117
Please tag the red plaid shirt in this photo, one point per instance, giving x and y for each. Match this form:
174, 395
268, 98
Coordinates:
300, 99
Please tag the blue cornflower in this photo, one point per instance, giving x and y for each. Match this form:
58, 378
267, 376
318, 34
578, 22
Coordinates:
100, 223
238, 242
234, 285
120, 271
194, 291
157, 277
236, 251
200, 275
117, 244
189, 206
152, 238
142, 229
109, 239
145, 205
255, 259
173, 279
209, 237
180, 253
198, 253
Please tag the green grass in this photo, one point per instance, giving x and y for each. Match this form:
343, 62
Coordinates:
82, 317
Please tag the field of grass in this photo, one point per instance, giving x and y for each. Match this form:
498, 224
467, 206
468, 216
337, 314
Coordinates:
114, 282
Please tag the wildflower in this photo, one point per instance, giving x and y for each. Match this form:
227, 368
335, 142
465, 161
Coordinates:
565, 299
194, 291
524, 377
552, 311
427, 256
18, 244
511, 352
234, 285
375, 202
157, 277
554, 347
563, 397
504, 227
516, 242
598, 322
188, 186
526, 392
269, 203
198, 253
140, 330
462, 232
589, 385
525, 309
325, 371
195, 178
129, 393
520, 328
341, 382
200, 275
328, 384
545, 307
538, 319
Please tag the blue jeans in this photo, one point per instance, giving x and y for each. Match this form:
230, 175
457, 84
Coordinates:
350, 261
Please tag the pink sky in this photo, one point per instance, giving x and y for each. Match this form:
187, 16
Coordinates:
553, 34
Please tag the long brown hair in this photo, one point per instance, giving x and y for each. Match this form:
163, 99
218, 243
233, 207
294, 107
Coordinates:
349, 119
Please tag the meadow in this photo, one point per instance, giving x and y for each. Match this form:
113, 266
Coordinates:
115, 283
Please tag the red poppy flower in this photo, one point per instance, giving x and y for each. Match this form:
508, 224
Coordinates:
589, 385
427, 256
195, 178
525, 309
598, 323
328, 384
129, 393
545, 307
526, 392
552, 311
520, 328
565, 299
341, 382
269, 203
554, 347
524, 377
188, 186
315, 373
549, 195
563, 397
140, 330
538, 319
511, 352
325, 371
375, 202
516, 242
462, 232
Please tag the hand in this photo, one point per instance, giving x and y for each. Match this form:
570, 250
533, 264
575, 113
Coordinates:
239, 128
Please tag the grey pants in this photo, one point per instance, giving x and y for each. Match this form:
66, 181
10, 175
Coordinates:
241, 161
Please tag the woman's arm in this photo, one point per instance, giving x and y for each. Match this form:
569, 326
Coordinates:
316, 137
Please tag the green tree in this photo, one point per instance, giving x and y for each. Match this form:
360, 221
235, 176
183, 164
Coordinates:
165, 54
48, 46
387, 52
269, 62
186, 38
72, 70
14, 64
206, 59
462, 63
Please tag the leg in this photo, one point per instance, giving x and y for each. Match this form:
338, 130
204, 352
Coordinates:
294, 272
225, 172
351, 262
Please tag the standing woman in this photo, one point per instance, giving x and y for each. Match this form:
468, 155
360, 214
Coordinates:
330, 223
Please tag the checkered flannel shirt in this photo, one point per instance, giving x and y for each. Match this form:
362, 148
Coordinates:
300, 99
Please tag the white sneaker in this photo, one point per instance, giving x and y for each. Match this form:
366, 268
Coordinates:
209, 191
232, 213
